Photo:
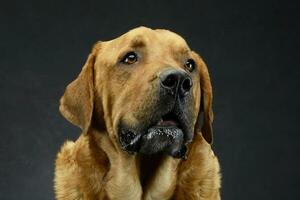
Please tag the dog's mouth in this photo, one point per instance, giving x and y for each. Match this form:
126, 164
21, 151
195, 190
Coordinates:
170, 119
164, 135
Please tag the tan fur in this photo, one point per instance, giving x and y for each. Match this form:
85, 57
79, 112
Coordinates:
94, 167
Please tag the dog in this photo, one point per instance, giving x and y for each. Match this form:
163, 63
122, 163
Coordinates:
144, 104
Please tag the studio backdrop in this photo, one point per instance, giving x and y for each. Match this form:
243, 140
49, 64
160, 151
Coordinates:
251, 49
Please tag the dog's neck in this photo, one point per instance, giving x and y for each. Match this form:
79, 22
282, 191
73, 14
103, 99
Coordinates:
147, 165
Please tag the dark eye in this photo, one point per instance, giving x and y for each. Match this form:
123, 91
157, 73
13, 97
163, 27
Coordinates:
129, 58
190, 65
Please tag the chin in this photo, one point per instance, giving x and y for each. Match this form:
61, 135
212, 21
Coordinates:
167, 133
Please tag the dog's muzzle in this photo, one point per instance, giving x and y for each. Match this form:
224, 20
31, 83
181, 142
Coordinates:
168, 130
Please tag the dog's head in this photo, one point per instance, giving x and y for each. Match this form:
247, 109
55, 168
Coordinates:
146, 88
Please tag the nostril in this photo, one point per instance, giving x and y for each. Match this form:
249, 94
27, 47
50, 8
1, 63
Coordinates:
187, 84
170, 81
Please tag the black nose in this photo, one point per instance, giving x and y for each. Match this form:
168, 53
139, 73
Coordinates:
176, 82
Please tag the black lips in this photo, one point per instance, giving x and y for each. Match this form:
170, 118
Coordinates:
129, 140
167, 139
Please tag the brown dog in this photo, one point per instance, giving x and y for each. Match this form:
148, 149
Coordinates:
138, 101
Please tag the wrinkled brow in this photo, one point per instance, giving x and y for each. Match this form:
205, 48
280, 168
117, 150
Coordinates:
183, 51
138, 42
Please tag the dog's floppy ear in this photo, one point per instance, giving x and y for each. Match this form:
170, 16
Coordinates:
77, 103
206, 102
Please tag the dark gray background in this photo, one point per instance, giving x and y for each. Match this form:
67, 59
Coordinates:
252, 51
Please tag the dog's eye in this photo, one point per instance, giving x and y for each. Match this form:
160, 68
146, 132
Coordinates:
129, 58
190, 65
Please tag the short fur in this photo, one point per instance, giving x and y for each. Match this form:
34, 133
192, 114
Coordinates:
94, 166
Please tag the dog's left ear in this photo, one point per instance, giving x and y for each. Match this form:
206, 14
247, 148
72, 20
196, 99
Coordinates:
206, 101
77, 103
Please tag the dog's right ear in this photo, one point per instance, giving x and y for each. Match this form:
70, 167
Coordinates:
77, 103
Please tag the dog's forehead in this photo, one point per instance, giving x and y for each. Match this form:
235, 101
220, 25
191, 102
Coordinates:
143, 36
